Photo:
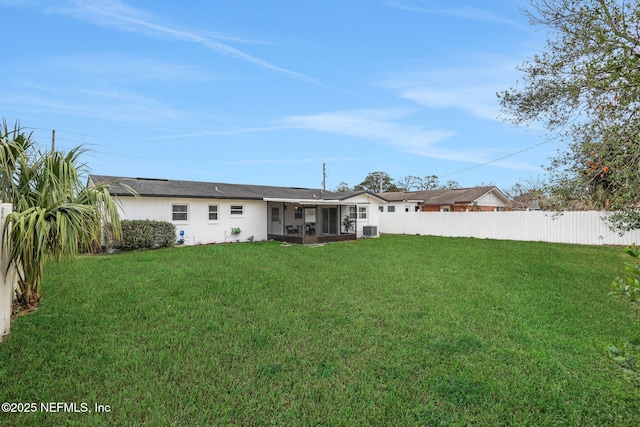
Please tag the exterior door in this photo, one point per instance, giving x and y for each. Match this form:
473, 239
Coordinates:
330, 220
309, 229
276, 220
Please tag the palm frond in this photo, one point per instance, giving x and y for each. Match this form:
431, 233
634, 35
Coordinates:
54, 214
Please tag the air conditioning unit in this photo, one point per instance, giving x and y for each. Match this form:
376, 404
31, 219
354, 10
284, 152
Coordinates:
370, 231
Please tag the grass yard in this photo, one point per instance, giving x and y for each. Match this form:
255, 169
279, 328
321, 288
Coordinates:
400, 330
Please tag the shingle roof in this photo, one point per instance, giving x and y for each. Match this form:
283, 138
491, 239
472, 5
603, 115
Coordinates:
401, 196
152, 187
440, 197
458, 196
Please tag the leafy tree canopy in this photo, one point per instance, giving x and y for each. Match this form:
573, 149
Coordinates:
381, 182
585, 87
413, 183
343, 187
377, 182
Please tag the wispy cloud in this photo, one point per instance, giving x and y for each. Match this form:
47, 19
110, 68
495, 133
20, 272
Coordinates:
113, 67
116, 14
238, 131
464, 12
470, 89
379, 125
97, 86
112, 105
389, 127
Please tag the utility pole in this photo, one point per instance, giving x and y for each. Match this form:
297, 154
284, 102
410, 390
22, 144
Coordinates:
53, 140
324, 177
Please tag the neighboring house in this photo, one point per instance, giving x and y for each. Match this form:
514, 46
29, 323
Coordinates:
487, 198
207, 212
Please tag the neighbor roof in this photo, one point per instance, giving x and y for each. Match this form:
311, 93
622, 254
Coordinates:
409, 196
442, 196
155, 187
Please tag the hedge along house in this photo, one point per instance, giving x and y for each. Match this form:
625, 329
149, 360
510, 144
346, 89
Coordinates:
207, 212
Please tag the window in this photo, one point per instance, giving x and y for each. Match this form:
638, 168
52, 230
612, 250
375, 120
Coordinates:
237, 210
213, 212
180, 212
352, 212
391, 208
362, 212
381, 208
297, 212
275, 214
445, 209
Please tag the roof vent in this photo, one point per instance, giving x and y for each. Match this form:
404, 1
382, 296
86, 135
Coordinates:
153, 179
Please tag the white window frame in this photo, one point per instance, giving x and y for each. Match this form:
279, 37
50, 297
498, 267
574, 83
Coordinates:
216, 212
391, 208
236, 210
174, 212
275, 214
353, 212
362, 212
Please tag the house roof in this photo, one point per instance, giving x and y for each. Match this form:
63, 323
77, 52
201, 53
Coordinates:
154, 187
409, 196
446, 197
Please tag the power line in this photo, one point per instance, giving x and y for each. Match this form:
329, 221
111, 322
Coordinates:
498, 159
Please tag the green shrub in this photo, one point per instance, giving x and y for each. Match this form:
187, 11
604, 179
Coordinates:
624, 356
145, 234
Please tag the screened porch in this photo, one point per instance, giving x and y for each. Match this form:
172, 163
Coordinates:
313, 222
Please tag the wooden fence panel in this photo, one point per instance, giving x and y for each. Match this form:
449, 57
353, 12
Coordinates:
585, 228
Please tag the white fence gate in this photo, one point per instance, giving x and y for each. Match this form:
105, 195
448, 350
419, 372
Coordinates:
586, 228
8, 280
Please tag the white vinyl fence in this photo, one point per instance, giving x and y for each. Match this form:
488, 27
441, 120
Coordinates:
7, 279
586, 228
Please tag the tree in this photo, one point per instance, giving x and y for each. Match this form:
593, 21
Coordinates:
450, 185
343, 187
54, 214
430, 182
410, 183
377, 182
585, 87
529, 194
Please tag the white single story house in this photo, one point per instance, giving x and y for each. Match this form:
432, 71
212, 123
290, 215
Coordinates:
208, 212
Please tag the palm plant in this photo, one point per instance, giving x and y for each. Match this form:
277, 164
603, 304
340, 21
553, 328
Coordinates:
54, 214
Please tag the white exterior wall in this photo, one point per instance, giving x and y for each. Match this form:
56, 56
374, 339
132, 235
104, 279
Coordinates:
586, 228
8, 280
490, 199
373, 214
198, 229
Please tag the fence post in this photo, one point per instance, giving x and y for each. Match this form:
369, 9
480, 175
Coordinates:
7, 279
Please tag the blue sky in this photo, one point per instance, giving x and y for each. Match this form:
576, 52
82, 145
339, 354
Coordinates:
265, 92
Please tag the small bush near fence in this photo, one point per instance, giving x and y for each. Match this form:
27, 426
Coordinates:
145, 234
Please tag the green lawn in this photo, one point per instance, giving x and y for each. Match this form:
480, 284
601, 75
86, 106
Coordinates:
400, 330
